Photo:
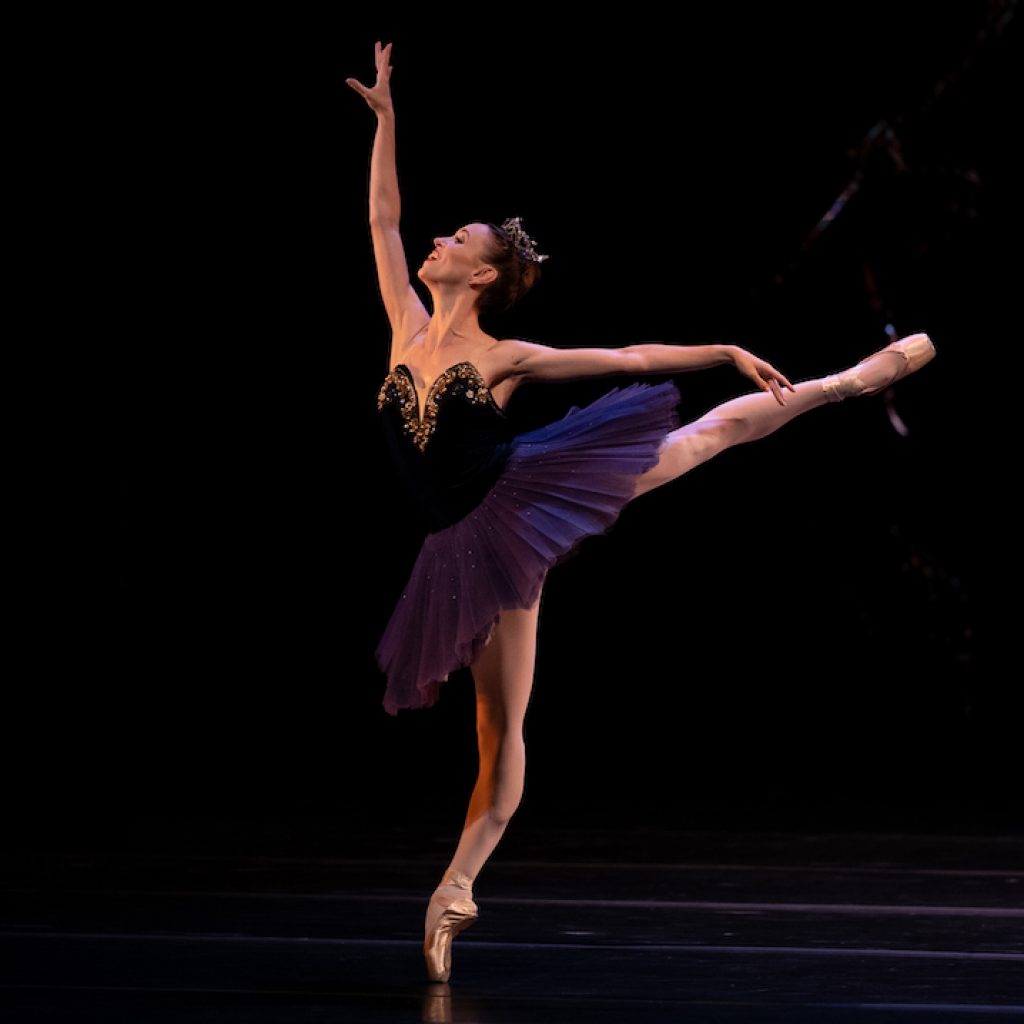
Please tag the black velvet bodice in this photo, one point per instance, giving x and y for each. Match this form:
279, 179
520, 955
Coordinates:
453, 456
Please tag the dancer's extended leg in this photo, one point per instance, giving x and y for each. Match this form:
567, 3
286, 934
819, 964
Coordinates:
734, 422
753, 416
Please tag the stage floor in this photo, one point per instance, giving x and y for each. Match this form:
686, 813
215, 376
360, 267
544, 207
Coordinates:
629, 925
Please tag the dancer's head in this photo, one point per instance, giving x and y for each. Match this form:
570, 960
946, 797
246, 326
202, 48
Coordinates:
497, 264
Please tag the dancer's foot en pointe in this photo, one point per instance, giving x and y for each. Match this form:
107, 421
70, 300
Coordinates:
450, 910
881, 369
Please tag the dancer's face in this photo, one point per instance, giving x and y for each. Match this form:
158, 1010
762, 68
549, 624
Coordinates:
460, 257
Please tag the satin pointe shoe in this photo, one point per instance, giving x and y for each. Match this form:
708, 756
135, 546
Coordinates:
916, 350
458, 912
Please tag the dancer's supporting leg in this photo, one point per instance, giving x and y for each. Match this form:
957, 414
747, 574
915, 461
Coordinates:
753, 416
503, 674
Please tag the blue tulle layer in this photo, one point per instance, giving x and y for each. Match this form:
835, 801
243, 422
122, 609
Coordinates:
564, 481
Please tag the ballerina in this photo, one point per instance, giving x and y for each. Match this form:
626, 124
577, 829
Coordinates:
504, 508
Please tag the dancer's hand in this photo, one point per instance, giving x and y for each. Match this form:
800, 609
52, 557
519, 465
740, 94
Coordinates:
379, 97
763, 374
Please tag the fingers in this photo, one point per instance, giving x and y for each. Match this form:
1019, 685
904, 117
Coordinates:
777, 391
383, 67
380, 58
780, 377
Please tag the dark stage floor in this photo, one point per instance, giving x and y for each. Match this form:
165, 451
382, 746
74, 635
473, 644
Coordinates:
196, 921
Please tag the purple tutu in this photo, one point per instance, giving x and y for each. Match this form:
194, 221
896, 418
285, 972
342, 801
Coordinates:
562, 482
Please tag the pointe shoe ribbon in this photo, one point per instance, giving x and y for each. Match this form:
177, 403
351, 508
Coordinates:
459, 913
916, 350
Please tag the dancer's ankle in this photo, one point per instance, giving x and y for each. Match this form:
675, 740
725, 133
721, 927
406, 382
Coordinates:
868, 377
454, 877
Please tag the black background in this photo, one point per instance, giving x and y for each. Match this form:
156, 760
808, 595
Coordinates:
806, 628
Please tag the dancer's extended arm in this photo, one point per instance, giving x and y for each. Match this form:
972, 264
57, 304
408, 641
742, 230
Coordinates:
534, 362
401, 302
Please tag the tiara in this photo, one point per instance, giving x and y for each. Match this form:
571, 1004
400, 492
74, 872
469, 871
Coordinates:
521, 241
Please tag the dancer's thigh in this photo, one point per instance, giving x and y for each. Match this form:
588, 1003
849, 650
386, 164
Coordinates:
503, 671
689, 446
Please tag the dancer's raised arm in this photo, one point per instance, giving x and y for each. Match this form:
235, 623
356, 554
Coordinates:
534, 362
401, 302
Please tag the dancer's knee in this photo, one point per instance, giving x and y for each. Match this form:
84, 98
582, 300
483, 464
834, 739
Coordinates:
501, 811
720, 429
689, 446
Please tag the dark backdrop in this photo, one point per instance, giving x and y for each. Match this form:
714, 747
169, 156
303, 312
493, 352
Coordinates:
805, 629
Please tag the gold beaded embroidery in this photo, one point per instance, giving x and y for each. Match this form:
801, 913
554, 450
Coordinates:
462, 378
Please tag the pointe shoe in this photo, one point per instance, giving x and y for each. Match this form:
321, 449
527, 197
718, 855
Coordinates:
916, 350
459, 912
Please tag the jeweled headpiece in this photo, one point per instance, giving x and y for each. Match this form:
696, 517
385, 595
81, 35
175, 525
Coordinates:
521, 241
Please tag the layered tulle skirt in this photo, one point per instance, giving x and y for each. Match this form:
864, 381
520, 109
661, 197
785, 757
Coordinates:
563, 481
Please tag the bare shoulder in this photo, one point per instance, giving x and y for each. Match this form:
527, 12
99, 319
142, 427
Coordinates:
515, 350
520, 343
520, 355
504, 373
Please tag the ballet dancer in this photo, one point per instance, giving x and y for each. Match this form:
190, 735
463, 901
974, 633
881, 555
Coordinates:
504, 507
